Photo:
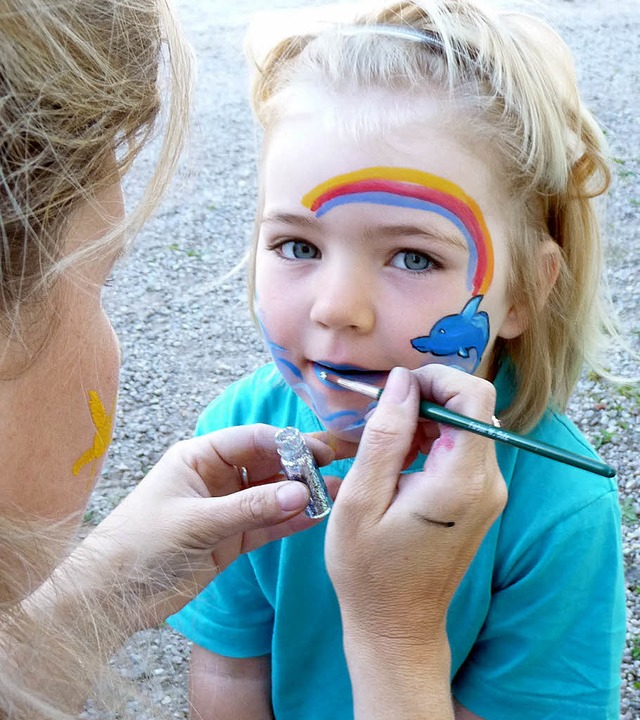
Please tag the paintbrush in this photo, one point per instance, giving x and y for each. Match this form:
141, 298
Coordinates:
432, 411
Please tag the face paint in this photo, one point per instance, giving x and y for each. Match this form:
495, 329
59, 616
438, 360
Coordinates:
404, 187
460, 338
348, 423
103, 424
355, 261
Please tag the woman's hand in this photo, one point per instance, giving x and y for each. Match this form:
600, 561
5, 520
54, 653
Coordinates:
397, 546
192, 515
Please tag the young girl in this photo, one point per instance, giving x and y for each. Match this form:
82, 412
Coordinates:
427, 196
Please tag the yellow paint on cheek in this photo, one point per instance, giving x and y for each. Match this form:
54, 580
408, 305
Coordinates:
103, 424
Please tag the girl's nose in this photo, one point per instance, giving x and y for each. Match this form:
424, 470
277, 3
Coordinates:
344, 300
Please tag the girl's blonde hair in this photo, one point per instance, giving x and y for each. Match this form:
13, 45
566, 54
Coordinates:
510, 78
79, 81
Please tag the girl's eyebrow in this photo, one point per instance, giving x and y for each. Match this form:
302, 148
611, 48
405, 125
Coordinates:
400, 231
396, 231
289, 219
372, 233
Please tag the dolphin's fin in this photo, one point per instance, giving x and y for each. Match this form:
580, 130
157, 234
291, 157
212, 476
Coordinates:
471, 308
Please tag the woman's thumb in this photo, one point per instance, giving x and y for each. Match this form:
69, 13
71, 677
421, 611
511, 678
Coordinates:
257, 507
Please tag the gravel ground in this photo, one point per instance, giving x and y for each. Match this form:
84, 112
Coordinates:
184, 326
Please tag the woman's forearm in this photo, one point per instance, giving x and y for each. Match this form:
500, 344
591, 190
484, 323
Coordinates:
181, 526
398, 544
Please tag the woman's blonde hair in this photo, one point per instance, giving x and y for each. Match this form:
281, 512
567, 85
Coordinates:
55, 645
511, 79
79, 81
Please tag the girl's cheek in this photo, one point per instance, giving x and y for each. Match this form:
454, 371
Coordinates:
270, 327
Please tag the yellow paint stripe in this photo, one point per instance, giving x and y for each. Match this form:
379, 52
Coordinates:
418, 177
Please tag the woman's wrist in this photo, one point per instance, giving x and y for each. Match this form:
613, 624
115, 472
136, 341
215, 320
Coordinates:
72, 624
399, 675
108, 576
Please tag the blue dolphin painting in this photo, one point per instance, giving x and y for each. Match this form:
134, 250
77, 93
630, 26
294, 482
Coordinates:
458, 335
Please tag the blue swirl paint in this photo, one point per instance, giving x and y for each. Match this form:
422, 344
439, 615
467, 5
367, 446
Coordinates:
343, 421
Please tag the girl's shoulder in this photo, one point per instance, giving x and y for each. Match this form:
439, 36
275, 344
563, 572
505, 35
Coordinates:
544, 492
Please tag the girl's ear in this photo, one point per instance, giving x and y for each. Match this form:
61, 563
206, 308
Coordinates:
516, 320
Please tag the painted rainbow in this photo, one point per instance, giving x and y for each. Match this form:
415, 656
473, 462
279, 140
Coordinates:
405, 187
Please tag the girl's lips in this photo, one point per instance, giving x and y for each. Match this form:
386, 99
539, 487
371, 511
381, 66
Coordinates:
351, 372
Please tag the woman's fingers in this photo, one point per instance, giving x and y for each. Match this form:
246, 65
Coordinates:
216, 458
254, 512
277, 524
369, 487
341, 448
421, 529
206, 474
457, 390
188, 519
462, 467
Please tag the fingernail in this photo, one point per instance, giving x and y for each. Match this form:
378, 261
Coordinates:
397, 386
292, 496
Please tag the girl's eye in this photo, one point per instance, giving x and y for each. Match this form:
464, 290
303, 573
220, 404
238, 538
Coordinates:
299, 250
411, 260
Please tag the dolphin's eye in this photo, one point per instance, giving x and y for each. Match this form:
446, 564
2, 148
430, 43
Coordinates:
441, 331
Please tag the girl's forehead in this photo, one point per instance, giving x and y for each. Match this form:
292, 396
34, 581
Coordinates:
347, 133
388, 123
360, 113
308, 163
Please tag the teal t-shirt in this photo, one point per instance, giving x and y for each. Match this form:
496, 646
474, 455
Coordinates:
536, 627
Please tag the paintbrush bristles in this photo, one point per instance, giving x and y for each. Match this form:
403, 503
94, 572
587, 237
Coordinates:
354, 385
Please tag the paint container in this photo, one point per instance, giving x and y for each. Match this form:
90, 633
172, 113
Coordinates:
299, 464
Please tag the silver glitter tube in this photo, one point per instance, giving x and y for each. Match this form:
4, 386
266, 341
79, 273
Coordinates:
299, 464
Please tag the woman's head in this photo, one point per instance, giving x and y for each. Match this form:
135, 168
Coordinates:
504, 91
82, 85
79, 86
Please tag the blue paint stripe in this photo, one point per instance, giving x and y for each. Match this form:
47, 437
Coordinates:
391, 199
287, 363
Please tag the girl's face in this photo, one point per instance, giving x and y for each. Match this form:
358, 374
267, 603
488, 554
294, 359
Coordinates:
375, 253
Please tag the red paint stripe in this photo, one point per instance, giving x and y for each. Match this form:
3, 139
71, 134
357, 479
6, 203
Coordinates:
420, 192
